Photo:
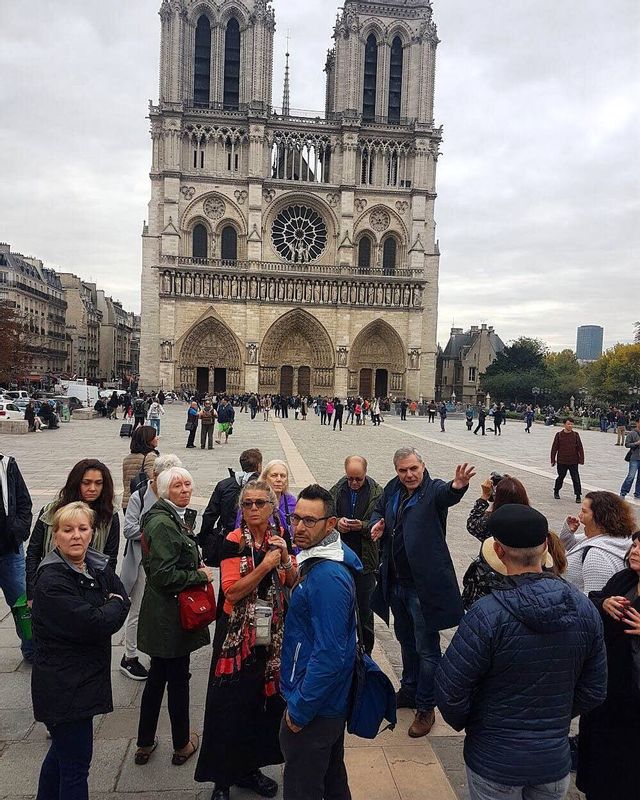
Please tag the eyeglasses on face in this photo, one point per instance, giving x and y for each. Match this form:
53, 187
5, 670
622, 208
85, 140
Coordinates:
261, 503
308, 522
354, 479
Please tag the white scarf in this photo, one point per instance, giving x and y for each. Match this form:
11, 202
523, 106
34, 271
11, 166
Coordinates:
4, 465
178, 509
330, 548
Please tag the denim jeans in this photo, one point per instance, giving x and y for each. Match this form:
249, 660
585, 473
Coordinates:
155, 423
634, 472
64, 774
420, 648
13, 584
483, 789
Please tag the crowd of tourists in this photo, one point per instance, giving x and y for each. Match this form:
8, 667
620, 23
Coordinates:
548, 625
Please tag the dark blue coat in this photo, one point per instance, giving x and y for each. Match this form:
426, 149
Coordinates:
524, 661
425, 527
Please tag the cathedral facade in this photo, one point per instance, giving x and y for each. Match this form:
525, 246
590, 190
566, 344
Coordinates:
286, 252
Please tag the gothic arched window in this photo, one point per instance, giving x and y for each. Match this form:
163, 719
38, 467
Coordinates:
395, 80
202, 63
364, 253
229, 243
232, 65
200, 242
389, 253
370, 78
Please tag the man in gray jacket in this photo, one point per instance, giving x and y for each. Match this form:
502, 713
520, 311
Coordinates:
132, 574
633, 443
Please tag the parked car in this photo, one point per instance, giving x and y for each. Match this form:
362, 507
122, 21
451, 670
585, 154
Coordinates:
10, 411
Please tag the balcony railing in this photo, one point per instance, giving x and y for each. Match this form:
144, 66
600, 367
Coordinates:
299, 268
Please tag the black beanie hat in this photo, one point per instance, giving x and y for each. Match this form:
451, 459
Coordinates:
518, 526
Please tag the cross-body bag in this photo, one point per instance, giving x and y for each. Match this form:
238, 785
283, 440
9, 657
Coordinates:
197, 605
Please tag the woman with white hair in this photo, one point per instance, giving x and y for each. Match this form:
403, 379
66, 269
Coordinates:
133, 575
172, 563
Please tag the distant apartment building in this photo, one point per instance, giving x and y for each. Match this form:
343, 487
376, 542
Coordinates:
462, 362
589, 342
116, 330
134, 321
37, 295
83, 320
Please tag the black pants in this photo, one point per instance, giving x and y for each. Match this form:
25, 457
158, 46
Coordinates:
496, 428
314, 761
365, 585
174, 674
137, 421
442, 419
323, 417
403, 413
432, 416
285, 412
337, 420
572, 469
480, 426
192, 436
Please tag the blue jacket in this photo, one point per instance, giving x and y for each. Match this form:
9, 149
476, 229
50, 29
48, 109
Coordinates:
524, 661
226, 413
319, 647
424, 521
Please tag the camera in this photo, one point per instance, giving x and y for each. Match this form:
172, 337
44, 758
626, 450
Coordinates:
496, 477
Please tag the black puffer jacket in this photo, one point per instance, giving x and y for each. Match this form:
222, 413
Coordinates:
73, 621
219, 517
524, 661
18, 510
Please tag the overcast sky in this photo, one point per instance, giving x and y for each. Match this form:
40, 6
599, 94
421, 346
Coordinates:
538, 206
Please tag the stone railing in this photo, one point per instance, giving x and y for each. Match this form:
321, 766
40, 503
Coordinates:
298, 268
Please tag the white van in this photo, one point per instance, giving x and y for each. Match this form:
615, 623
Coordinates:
83, 391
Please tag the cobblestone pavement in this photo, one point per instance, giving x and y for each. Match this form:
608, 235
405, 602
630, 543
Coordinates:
399, 768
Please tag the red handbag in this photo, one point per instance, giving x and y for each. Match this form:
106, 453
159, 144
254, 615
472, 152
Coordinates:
197, 606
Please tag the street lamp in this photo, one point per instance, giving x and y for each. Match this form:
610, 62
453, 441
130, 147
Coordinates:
535, 391
633, 390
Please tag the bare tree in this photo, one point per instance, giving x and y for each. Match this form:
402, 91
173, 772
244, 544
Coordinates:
15, 358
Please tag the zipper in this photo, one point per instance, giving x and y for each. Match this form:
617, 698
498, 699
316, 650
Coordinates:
295, 661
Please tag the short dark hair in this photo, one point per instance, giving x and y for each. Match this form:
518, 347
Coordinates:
316, 492
141, 439
251, 460
569, 419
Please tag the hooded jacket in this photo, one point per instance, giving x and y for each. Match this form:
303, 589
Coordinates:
17, 506
524, 661
73, 622
219, 517
319, 647
591, 562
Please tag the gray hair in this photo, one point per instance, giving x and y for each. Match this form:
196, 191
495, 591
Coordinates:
165, 462
405, 452
166, 478
525, 556
258, 486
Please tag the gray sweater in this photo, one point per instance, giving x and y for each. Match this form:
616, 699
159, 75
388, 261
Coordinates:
592, 561
133, 552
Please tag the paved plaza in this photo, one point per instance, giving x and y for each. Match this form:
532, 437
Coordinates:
392, 767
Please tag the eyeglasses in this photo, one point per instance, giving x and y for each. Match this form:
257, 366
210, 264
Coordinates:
308, 522
257, 503
354, 480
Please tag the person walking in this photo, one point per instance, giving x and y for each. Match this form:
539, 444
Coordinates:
482, 419
469, 417
403, 409
266, 407
318, 654
322, 402
622, 420
498, 419
132, 574
524, 660
330, 410
632, 442
226, 418
191, 424
139, 411
529, 416
431, 411
112, 405
78, 604
417, 580
568, 452
172, 563
243, 697
338, 409
143, 446
155, 412
207, 417
443, 416
355, 497
15, 526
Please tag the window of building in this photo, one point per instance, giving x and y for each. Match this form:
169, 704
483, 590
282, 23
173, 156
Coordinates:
229, 245
370, 78
200, 243
389, 253
202, 63
392, 169
367, 168
395, 80
364, 253
232, 65
472, 374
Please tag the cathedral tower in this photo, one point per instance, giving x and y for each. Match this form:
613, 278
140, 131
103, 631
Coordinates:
286, 253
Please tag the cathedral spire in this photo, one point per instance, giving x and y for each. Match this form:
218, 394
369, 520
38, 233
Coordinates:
285, 94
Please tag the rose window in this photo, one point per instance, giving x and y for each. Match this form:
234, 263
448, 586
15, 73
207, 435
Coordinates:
299, 234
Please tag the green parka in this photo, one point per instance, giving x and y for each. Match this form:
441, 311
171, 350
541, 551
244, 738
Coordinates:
170, 559
360, 541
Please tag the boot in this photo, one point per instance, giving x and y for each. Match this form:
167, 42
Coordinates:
422, 723
556, 494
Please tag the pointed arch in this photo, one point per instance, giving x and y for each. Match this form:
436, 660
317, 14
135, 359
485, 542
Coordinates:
377, 359
370, 78
202, 62
231, 88
209, 345
396, 66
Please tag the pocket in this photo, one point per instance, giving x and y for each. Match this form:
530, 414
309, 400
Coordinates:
295, 662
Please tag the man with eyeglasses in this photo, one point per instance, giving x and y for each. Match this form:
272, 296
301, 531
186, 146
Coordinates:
356, 496
417, 580
318, 654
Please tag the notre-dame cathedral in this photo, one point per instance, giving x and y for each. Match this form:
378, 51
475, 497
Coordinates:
285, 251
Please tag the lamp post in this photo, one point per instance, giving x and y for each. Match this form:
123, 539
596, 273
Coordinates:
535, 391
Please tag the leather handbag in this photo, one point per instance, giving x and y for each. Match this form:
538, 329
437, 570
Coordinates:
197, 606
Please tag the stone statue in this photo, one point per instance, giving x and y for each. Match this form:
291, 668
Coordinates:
252, 353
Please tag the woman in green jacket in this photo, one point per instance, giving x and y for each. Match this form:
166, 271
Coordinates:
172, 563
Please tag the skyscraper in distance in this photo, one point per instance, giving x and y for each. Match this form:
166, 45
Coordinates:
589, 342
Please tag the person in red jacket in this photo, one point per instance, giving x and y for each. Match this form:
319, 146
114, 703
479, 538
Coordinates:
568, 452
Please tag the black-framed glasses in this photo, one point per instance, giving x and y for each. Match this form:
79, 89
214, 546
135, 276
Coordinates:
354, 479
261, 503
308, 522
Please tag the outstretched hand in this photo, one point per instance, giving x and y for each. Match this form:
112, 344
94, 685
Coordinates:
464, 473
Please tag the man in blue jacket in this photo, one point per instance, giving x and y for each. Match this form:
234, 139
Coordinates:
417, 579
318, 654
524, 661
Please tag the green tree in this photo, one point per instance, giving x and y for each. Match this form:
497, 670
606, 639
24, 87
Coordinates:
15, 358
565, 376
516, 370
610, 377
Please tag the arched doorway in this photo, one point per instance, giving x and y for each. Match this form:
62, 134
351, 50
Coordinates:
286, 381
299, 341
209, 358
377, 358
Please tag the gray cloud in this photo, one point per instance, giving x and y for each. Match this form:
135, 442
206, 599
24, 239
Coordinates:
538, 202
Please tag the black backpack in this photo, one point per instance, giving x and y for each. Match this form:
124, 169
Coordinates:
139, 407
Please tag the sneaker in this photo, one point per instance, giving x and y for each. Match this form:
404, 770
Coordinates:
578, 499
422, 723
133, 669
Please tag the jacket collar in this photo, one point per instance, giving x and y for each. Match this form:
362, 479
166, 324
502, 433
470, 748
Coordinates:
93, 558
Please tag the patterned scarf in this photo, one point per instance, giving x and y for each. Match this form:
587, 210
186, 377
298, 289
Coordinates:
240, 641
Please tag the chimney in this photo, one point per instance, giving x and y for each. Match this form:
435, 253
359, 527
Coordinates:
5, 248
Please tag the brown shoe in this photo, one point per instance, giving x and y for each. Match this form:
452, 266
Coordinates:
422, 724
